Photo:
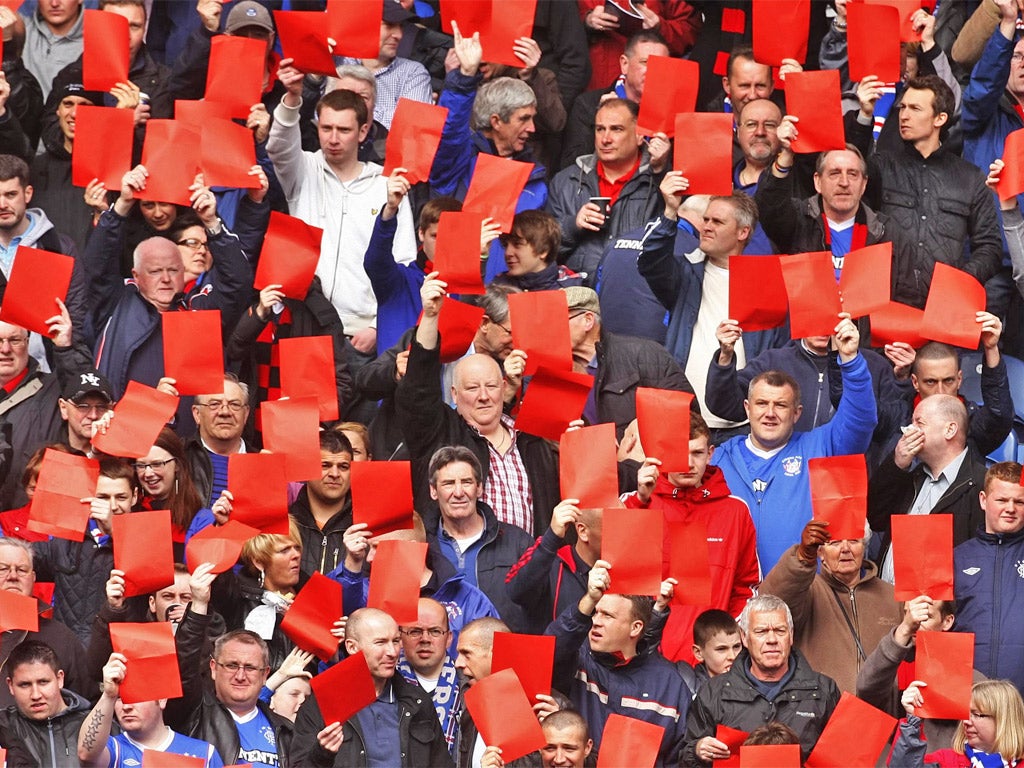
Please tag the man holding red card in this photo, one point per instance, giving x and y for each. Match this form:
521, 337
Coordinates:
987, 577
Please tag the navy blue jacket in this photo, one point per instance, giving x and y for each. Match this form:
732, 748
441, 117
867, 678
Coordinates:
987, 113
988, 583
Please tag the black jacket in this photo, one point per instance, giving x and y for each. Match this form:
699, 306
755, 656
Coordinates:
80, 570
65, 644
429, 424
322, 549
805, 704
419, 733
50, 743
20, 124
891, 491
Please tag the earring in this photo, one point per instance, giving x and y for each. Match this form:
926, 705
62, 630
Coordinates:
261, 579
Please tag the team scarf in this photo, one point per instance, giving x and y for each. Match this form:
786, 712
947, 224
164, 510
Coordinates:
446, 696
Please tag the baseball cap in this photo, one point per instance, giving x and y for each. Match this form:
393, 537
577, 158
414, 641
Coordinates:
248, 13
88, 382
394, 13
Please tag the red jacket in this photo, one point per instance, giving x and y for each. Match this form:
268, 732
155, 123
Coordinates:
732, 551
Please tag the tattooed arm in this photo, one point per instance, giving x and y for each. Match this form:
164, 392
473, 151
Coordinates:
92, 736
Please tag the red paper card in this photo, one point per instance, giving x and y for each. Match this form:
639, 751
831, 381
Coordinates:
382, 495
303, 37
104, 51
499, 23
218, 544
734, 20
839, 494
670, 87
260, 488
945, 661
897, 322
291, 428
197, 113
144, 550
734, 740
815, 98
228, 153
235, 74
38, 278
873, 42
588, 467
865, 278
413, 139
628, 538
344, 689
770, 756
689, 562
905, 9
703, 152
663, 420
813, 295
103, 144
139, 416
835, 748
504, 715
309, 620
757, 292
495, 188
1011, 180
395, 579
18, 611
307, 368
780, 31
457, 324
197, 369
152, 666
954, 299
64, 480
628, 741
457, 256
355, 26
922, 556
531, 656
172, 153
153, 759
540, 327
553, 399
289, 255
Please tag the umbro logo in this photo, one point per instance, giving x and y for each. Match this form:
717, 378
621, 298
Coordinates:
972, 571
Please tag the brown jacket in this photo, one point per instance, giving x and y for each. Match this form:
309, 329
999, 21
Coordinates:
975, 33
819, 601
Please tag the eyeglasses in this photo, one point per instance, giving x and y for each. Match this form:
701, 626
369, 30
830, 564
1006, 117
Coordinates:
216, 405
15, 342
495, 322
233, 668
417, 632
156, 466
84, 408
195, 245
1017, 58
21, 570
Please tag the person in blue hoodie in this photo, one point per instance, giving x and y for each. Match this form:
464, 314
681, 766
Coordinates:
767, 469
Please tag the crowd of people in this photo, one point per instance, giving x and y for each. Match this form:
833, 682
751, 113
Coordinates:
502, 534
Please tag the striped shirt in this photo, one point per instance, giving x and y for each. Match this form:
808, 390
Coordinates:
507, 490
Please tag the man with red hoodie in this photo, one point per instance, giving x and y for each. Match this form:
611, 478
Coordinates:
700, 497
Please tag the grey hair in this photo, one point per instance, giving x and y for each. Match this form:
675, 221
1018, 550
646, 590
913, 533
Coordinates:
233, 378
7, 541
149, 243
494, 302
356, 72
764, 604
501, 96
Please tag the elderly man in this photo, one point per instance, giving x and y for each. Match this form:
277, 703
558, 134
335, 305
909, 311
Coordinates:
41, 726
400, 727
221, 419
767, 469
933, 470
475, 650
986, 577
836, 639
621, 169
495, 118
520, 471
770, 680
86, 398
603, 642
17, 574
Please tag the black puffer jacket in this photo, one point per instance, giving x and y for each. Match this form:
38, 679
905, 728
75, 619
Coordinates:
50, 743
80, 570
419, 733
805, 704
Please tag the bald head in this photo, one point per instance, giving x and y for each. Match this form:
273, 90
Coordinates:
159, 271
943, 421
361, 621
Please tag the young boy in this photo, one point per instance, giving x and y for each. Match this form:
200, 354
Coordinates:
716, 644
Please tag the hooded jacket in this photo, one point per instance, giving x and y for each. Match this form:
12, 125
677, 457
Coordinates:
549, 578
322, 548
50, 743
732, 550
827, 613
